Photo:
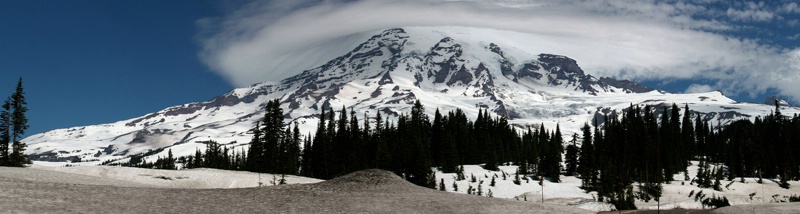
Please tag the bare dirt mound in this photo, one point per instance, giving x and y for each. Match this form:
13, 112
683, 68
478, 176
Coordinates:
367, 180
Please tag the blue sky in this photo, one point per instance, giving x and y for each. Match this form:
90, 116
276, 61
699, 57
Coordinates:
92, 62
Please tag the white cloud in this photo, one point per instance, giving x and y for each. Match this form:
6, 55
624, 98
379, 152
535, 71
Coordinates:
699, 88
644, 40
752, 12
791, 7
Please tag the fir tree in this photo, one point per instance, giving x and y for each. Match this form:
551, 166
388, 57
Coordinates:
5, 132
572, 156
687, 131
585, 162
255, 154
19, 123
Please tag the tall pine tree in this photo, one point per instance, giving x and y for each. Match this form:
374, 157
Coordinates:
19, 123
5, 132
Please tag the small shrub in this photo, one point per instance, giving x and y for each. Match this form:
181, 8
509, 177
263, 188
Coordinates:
794, 198
716, 202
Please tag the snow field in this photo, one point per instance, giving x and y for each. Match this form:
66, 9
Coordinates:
202, 178
568, 192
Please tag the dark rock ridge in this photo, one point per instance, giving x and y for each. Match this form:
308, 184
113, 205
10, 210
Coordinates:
775, 99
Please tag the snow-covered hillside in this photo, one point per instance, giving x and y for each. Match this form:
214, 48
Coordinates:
443, 67
678, 194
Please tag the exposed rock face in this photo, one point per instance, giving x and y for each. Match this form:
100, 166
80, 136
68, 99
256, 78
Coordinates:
776, 100
627, 85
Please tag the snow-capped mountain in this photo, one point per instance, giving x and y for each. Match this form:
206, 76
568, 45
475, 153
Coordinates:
775, 99
443, 67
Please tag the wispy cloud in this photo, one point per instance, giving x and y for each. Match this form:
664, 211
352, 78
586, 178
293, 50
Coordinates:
642, 40
752, 12
697, 88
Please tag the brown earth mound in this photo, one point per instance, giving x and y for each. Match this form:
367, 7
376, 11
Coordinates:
367, 180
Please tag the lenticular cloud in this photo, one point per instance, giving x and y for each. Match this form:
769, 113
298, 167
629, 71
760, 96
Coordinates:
269, 41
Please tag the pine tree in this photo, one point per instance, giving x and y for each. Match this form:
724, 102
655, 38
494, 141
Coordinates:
571, 158
460, 173
170, 162
419, 167
5, 132
273, 136
255, 155
306, 157
19, 123
586, 161
554, 156
687, 131
437, 141
318, 160
293, 151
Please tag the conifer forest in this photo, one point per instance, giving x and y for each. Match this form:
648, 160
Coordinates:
644, 146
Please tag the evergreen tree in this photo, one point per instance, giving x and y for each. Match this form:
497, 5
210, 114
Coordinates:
170, 161
306, 157
318, 160
438, 140
383, 155
292, 163
255, 154
554, 151
273, 135
419, 168
198, 159
5, 132
572, 156
19, 123
687, 131
586, 160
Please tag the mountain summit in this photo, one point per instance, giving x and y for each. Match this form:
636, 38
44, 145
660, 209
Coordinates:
775, 99
443, 67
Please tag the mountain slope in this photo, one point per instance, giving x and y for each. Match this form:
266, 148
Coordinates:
443, 67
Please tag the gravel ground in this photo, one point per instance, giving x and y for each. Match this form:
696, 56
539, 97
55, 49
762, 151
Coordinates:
761, 208
26, 190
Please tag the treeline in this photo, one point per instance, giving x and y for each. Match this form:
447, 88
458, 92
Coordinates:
409, 147
636, 148
414, 144
645, 145
648, 150
764, 148
13, 124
